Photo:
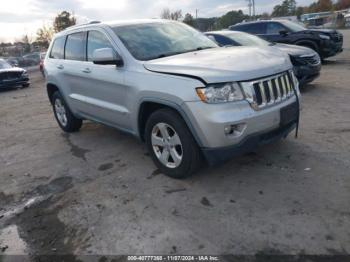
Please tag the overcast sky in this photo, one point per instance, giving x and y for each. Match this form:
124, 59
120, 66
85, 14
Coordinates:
20, 17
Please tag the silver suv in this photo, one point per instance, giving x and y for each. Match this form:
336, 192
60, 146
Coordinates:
173, 88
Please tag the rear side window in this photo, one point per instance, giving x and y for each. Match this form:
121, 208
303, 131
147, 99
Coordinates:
75, 47
255, 28
57, 51
96, 40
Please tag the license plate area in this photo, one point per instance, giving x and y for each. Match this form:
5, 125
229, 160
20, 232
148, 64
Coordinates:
289, 114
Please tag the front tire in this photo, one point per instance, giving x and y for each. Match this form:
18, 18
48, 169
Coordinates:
64, 117
171, 144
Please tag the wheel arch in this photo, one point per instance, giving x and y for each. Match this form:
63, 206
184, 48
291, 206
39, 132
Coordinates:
147, 107
308, 43
51, 89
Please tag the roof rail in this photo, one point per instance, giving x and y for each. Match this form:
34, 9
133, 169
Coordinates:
79, 25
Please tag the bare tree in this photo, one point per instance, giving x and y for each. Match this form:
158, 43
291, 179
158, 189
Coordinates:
167, 14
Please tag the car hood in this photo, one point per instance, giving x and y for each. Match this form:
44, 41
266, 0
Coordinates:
326, 31
294, 50
224, 64
12, 69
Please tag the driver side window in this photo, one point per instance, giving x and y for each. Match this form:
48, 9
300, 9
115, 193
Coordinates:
274, 28
96, 40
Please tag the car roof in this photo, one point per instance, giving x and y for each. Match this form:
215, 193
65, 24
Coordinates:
260, 21
118, 23
136, 21
113, 24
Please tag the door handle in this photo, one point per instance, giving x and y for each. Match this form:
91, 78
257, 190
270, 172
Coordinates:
87, 70
60, 67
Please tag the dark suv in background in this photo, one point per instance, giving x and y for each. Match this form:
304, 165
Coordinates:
326, 42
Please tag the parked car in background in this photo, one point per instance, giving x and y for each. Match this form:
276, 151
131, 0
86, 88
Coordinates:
13, 61
33, 58
174, 88
41, 63
11, 77
326, 42
306, 62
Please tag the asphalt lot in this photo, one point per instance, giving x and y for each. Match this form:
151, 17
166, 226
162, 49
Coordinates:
98, 192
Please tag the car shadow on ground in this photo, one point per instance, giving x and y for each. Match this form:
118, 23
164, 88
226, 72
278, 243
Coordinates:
11, 89
311, 87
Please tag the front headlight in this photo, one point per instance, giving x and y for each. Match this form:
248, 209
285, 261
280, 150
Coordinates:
220, 93
325, 37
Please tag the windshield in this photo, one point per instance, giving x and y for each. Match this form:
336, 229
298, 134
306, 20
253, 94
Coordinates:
156, 40
294, 27
245, 39
4, 64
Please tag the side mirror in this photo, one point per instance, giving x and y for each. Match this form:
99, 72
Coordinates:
283, 32
106, 56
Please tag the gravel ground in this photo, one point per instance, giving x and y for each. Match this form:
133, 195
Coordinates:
98, 192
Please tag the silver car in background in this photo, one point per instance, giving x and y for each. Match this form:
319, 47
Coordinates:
172, 87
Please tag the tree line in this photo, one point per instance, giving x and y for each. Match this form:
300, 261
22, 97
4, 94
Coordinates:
290, 8
286, 8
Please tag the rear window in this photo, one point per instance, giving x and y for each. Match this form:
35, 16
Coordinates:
57, 51
76, 46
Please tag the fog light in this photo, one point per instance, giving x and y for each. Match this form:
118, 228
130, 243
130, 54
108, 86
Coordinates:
228, 130
234, 130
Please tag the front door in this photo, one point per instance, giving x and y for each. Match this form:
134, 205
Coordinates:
100, 91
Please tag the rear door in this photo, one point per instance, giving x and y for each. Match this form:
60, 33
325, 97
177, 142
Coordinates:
72, 66
54, 64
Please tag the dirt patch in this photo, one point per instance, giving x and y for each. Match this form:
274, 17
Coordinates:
105, 166
74, 149
57, 185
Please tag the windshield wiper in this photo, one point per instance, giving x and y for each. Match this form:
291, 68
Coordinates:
177, 53
203, 48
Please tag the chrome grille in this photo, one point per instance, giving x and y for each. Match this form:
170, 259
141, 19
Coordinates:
269, 91
10, 75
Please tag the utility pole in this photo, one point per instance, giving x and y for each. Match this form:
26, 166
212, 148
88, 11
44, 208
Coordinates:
253, 2
197, 13
250, 7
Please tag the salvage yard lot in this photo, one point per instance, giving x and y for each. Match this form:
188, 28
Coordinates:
98, 192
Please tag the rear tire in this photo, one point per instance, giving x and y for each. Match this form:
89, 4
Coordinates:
171, 144
64, 116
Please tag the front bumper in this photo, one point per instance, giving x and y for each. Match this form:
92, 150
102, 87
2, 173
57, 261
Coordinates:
14, 83
307, 73
208, 121
217, 155
331, 48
